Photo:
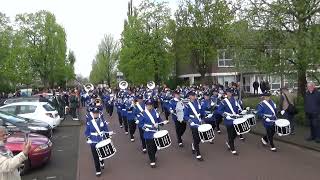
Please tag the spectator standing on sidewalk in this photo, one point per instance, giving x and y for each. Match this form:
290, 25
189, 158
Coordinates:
312, 110
287, 103
255, 87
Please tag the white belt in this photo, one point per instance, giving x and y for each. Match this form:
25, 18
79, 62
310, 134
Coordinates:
192, 116
129, 111
123, 109
96, 134
148, 125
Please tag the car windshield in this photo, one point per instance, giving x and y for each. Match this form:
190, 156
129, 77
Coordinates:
48, 107
12, 118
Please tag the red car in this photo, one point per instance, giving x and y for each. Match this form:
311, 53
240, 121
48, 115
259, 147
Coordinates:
40, 151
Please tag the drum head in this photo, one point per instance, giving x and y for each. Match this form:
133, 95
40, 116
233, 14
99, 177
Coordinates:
282, 122
248, 116
160, 133
103, 143
239, 120
204, 127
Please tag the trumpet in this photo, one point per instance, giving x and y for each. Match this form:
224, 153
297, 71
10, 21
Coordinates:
98, 101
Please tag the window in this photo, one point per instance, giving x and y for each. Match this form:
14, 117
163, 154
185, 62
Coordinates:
275, 83
27, 109
9, 109
225, 58
48, 107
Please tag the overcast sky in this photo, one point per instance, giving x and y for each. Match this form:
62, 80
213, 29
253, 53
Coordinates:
85, 22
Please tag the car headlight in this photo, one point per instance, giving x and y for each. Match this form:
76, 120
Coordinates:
37, 128
41, 148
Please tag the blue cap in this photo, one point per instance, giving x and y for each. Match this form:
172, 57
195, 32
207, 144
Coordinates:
192, 93
230, 90
139, 96
149, 102
94, 109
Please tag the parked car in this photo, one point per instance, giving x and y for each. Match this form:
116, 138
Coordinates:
27, 99
41, 111
40, 152
15, 123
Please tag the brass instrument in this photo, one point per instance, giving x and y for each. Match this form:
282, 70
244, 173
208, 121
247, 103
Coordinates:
151, 85
88, 87
123, 85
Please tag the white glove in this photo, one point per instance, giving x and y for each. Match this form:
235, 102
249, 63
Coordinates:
137, 121
89, 141
171, 111
248, 108
101, 133
110, 133
165, 122
228, 117
282, 112
147, 129
268, 120
244, 112
156, 125
192, 124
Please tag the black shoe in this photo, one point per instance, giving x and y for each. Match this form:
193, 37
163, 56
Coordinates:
180, 144
144, 150
199, 158
98, 174
273, 149
234, 152
153, 165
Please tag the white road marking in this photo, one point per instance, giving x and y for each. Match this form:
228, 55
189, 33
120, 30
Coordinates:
51, 177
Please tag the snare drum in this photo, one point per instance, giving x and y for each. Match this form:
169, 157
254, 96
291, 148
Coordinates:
206, 132
282, 127
241, 125
251, 118
162, 139
105, 149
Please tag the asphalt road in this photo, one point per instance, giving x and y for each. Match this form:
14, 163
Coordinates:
254, 162
64, 159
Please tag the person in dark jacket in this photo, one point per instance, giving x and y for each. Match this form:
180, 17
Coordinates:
255, 87
312, 110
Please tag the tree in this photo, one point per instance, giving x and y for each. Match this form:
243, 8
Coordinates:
45, 41
104, 65
145, 52
202, 27
297, 22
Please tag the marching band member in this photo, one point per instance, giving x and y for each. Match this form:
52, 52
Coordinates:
124, 113
119, 108
266, 110
150, 123
216, 98
240, 108
193, 114
131, 117
108, 102
138, 111
228, 109
180, 125
166, 105
96, 131
207, 105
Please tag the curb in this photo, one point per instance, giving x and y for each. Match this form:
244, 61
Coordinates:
288, 142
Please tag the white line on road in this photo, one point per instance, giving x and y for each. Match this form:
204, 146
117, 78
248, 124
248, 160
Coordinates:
51, 177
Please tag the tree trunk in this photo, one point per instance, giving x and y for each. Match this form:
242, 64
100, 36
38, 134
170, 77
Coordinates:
302, 81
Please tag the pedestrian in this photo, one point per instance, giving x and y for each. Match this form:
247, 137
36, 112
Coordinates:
312, 110
255, 87
8, 163
262, 86
74, 105
287, 106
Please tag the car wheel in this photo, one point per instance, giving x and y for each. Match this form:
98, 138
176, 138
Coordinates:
24, 168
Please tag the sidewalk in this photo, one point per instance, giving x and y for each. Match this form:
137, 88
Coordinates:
301, 133
69, 122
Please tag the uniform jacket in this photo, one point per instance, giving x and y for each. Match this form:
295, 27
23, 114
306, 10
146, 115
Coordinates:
137, 112
207, 106
147, 123
172, 107
264, 112
92, 134
9, 164
189, 114
224, 108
